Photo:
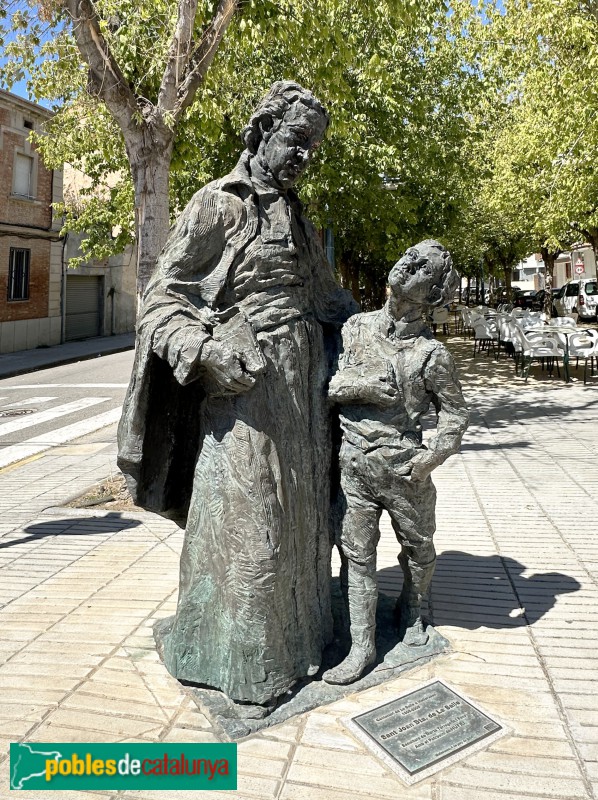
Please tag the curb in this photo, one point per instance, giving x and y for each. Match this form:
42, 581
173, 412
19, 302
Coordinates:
59, 362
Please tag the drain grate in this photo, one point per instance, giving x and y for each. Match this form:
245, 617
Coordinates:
16, 412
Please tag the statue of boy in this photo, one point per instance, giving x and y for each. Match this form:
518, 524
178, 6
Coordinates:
390, 371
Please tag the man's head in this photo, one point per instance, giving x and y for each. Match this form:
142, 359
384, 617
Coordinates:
284, 132
424, 275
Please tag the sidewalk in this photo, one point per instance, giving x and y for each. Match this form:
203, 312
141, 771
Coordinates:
24, 361
515, 592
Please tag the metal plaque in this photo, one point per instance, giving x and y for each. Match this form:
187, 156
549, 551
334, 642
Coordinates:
425, 730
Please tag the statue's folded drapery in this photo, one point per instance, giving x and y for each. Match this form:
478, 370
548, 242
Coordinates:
254, 603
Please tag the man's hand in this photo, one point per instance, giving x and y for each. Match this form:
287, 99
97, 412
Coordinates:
226, 368
422, 465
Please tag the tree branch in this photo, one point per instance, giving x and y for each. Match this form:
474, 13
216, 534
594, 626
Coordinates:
203, 55
105, 75
178, 55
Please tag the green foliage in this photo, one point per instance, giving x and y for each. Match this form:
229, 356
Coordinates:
538, 61
387, 73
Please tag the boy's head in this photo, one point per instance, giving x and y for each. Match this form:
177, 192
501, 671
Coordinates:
424, 275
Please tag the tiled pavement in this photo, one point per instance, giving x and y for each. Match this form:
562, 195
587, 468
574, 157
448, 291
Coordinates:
515, 592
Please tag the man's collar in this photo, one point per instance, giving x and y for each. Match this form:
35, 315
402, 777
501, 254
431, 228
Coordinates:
241, 175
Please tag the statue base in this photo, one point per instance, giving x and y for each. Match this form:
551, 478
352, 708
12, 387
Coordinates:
234, 721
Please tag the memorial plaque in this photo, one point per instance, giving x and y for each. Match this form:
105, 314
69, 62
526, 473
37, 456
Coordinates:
425, 729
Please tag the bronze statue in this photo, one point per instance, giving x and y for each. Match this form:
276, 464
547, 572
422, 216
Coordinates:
390, 371
226, 415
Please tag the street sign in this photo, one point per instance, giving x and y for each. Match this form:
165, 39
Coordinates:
580, 267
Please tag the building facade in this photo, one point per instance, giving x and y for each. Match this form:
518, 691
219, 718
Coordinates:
579, 262
42, 301
100, 296
31, 257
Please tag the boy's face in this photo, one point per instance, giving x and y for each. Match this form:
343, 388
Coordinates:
415, 278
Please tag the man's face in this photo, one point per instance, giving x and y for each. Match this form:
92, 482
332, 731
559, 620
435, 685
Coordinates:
290, 148
414, 278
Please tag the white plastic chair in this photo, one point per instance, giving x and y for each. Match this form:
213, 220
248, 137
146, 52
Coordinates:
562, 322
529, 321
441, 316
485, 335
469, 315
505, 338
536, 346
584, 345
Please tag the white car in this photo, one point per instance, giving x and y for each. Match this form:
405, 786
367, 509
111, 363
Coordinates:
578, 297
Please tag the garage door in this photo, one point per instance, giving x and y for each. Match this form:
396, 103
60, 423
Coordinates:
83, 295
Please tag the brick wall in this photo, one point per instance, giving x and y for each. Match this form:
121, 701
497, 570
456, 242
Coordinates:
17, 211
23, 221
39, 274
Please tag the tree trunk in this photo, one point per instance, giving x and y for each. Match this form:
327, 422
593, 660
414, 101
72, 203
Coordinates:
150, 168
508, 276
349, 271
591, 235
370, 293
549, 259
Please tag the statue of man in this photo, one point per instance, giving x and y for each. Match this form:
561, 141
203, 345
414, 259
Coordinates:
227, 417
390, 371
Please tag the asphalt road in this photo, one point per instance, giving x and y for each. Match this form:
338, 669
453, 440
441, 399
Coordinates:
49, 407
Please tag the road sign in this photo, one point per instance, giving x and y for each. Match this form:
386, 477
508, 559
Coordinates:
579, 269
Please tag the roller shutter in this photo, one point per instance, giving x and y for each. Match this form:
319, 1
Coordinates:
83, 296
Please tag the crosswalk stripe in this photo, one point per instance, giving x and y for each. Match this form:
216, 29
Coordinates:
33, 401
65, 386
38, 444
52, 413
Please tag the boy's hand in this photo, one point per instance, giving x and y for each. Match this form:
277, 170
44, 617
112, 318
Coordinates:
422, 465
348, 386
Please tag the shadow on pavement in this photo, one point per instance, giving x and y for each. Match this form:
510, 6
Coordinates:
86, 526
471, 591
498, 446
507, 411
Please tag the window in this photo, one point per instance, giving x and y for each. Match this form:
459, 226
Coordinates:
23, 176
28, 124
18, 274
591, 288
572, 289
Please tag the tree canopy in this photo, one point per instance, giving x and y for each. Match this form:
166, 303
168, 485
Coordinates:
476, 124
386, 72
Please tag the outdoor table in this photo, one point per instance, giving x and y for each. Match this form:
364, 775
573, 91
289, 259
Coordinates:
566, 330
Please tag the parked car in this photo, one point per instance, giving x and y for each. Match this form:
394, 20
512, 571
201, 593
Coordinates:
537, 299
500, 296
526, 298
578, 297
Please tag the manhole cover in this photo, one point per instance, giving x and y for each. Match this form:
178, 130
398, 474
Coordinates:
16, 412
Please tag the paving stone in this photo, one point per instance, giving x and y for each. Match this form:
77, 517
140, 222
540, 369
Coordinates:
293, 791
113, 727
188, 735
542, 786
520, 746
117, 706
75, 599
361, 763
